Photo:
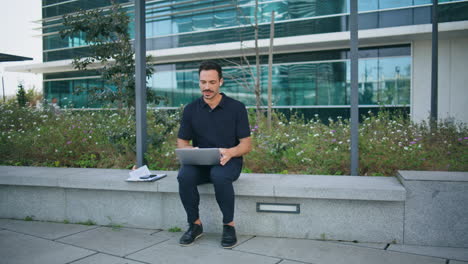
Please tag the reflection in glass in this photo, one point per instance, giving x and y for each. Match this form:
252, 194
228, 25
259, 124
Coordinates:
381, 81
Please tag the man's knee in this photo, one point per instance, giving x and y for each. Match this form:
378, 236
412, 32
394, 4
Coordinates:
223, 176
188, 175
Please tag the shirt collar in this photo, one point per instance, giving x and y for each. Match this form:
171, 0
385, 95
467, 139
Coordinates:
221, 104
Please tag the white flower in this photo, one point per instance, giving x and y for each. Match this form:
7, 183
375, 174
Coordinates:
316, 135
299, 153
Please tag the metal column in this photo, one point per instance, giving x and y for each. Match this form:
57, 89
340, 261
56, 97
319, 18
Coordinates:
353, 28
435, 54
140, 80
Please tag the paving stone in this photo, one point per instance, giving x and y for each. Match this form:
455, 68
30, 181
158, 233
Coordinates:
105, 259
166, 253
326, 252
368, 245
115, 241
16, 248
46, 230
208, 239
440, 252
293, 262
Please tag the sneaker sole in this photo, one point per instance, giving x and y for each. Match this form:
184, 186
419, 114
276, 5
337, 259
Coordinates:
228, 247
186, 245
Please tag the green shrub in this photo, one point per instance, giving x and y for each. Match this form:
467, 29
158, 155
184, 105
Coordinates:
106, 139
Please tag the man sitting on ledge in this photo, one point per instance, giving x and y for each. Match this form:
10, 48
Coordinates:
212, 121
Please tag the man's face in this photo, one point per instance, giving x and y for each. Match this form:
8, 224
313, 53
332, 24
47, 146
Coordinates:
210, 83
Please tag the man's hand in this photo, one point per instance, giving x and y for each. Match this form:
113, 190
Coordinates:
244, 147
226, 155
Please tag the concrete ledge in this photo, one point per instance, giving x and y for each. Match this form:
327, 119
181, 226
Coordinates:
446, 176
366, 209
435, 208
249, 184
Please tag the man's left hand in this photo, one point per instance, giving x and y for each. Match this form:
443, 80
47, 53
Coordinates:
226, 155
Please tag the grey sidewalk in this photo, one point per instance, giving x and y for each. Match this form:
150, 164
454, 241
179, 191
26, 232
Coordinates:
50, 243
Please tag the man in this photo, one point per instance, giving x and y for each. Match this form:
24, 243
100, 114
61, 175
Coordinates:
212, 121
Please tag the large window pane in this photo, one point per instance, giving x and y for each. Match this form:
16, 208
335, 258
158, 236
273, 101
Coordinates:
367, 5
394, 3
368, 81
395, 80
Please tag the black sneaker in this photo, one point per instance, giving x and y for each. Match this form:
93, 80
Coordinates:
194, 232
229, 239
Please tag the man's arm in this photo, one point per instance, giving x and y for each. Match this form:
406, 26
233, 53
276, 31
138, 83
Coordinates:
182, 143
244, 147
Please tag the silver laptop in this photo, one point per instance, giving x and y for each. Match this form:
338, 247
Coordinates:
198, 156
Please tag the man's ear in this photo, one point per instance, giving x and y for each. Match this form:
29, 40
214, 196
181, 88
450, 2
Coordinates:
221, 81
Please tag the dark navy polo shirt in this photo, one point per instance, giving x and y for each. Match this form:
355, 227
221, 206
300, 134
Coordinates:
221, 127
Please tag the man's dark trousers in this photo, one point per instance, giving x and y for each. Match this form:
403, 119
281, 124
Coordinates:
222, 178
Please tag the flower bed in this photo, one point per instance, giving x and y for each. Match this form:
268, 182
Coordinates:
106, 139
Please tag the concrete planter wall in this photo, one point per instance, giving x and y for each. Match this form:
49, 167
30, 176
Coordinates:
423, 208
365, 209
436, 208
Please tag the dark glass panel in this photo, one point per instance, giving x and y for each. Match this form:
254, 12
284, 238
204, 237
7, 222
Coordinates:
396, 18
422, 15
453, 12
368, 20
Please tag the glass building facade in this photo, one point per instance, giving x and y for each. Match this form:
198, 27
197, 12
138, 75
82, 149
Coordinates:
305, 79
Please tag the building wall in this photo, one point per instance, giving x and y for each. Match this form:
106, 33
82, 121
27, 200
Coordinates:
452, 83
315, 81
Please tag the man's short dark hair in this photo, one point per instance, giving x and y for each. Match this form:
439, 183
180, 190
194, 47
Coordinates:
210, 65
